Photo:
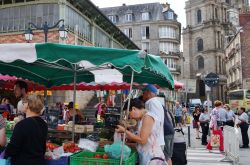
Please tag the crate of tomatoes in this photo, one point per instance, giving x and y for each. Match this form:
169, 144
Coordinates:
99, 158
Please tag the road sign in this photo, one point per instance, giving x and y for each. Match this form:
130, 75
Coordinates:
212, 80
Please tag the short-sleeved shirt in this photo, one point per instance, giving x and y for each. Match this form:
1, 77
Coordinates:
2, 122
152, 148
222, 115
154, 106
230, 115
244, 117
204, 117
178, 111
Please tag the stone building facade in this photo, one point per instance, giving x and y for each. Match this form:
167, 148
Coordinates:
87, 25
208, 23
154, 28
237, 56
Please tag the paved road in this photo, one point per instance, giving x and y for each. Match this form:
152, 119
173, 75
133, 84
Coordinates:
201, 156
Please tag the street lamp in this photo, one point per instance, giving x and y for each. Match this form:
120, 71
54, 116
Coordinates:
62, 31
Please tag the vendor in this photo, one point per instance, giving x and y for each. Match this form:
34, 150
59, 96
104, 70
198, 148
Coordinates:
21, 92
148, 129
71, 112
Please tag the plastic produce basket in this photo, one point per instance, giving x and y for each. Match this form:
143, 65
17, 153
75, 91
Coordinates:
86, 158
61, 161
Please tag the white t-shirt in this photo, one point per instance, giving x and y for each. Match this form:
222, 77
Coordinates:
154, 106
20, 107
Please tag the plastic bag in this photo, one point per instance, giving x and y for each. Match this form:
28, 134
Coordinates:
117, 137
87, 144
114, 150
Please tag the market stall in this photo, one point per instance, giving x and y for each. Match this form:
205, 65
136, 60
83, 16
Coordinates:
55, 64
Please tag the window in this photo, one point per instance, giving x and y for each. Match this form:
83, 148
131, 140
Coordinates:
170, 15
128, 17
167, 32
145, 16
200, 45
248, 94
199, 18
145, 46
236, 95
112, 18
168, 47
145, 32
216, 13
171, 63
200, 62
128, 32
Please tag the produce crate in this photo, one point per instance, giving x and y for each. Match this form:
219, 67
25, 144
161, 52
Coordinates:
86, 158
61, 161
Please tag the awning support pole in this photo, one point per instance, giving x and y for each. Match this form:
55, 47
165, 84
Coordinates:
74, 106
127, 113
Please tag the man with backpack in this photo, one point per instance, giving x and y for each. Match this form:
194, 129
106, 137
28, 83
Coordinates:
169, 131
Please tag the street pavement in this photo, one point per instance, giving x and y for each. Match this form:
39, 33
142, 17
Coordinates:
198, 155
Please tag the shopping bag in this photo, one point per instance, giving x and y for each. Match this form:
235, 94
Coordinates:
188, 120
4, 162
215, 140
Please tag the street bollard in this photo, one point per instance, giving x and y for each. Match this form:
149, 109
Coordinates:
189, 140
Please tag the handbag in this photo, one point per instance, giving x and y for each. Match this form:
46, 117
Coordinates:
195, 124
220, 123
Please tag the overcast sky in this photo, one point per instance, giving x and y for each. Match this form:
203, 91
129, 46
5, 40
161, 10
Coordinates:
176, 5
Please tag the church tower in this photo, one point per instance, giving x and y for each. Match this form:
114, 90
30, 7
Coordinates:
208, 25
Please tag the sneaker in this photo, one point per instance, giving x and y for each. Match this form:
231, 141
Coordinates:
244, 146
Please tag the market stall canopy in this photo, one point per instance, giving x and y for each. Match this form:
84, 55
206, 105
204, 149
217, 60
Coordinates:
54, 64
178, 85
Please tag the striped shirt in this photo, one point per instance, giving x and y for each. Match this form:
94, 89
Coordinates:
2, 122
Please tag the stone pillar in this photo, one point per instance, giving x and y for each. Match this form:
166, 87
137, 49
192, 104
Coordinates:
93, 33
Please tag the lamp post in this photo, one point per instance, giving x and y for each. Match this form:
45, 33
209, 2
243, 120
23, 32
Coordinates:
62, 31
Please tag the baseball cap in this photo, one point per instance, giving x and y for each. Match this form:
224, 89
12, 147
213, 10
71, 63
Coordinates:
150, 88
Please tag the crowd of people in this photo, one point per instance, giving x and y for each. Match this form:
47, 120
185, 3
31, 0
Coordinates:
154, 134
28, 141
220, 116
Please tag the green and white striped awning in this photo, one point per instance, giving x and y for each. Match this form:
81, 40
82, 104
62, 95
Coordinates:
54, 64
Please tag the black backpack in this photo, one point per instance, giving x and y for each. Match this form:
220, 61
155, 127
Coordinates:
169, 124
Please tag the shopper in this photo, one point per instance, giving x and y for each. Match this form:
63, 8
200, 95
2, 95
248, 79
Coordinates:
2, 132
196, 123
204, 122
169, 131
28, 142
148, 130
73, 111
178, 115
216, 128
243, 124
154, 106
230, 116
222, 117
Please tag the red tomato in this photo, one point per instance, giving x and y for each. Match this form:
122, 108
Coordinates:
105, 156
